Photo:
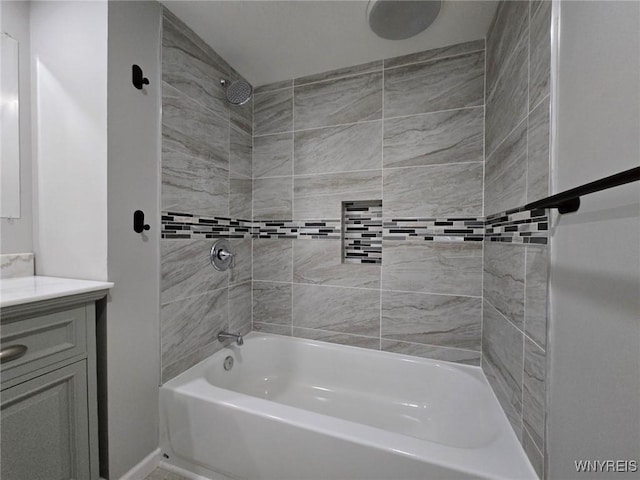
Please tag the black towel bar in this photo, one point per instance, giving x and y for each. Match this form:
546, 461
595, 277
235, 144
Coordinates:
569, 201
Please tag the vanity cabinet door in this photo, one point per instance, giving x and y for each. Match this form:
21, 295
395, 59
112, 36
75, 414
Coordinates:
45, 432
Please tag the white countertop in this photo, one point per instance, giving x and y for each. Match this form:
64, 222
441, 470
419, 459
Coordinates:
17, 291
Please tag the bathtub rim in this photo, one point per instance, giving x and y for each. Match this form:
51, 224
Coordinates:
465, 460
472, 370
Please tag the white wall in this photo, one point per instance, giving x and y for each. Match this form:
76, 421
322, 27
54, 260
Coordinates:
594, 386
16, 233
133, 311
69, 82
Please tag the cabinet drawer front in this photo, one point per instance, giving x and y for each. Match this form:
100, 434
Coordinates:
49, 339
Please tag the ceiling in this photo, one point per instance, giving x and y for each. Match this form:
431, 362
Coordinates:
271, 40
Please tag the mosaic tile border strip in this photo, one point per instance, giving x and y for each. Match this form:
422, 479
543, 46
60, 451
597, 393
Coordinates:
312, 229
189, 226
435, 229
518, 226
362, 240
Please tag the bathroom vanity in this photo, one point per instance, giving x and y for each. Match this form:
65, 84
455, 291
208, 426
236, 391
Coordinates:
49, 419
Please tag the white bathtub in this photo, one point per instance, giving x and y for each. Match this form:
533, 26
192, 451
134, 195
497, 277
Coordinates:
299, 409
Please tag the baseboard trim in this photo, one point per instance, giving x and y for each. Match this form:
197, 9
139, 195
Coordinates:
147, 465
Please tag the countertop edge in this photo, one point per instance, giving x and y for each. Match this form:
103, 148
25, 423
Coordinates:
50, 288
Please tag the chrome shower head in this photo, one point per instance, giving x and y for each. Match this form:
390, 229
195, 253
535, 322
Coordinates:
237, 92
400, 19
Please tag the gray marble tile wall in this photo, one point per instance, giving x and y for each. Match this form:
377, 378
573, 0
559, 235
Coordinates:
407, 131
207, 169
517, 172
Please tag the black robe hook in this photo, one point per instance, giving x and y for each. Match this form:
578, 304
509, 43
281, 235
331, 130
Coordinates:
138, 78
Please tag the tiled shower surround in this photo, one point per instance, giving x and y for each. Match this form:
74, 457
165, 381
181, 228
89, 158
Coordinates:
407, 132
206, 174
517, 172
410, 134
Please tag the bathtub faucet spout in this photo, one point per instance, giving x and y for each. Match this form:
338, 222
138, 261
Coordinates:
222, 336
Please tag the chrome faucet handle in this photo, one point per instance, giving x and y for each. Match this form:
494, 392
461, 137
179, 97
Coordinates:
221, 256
225, 255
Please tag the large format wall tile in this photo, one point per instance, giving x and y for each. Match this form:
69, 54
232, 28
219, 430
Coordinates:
194, 184
337, 309
335, 102
272, 303
502, 350
274, 86
192, 129
240, 198
537, 270
535, 456
507, 104
189, 360
273, 112
457, 355
442, 137
186, 269
443, 84
504, 270
181, 334
433, 191
240, 308
240, 154
538, 153
273, 155
338, 149
191, 70
320, 262
435, 53
241, 116
504, 398
272, 259
241, 271
540, 51
534, 392
272, 328
193, 39
509, 28
447, 268
272, 198
443, 320
339, 338
506, 173
321, 196
369, 67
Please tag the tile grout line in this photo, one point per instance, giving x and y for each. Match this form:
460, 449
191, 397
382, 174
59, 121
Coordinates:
228, 108
435, 59
381, 206
292, 187
484, 184
507, 136
367, 71
349, 124
307, 175
252, 222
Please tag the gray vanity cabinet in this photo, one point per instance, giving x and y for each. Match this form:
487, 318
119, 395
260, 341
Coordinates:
44, 427
48, 402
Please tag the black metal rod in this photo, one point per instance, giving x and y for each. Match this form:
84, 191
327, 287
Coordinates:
569, 201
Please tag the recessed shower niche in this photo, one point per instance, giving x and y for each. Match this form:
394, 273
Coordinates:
362, 231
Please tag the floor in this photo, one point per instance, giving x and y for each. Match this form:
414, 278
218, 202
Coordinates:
161, 474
